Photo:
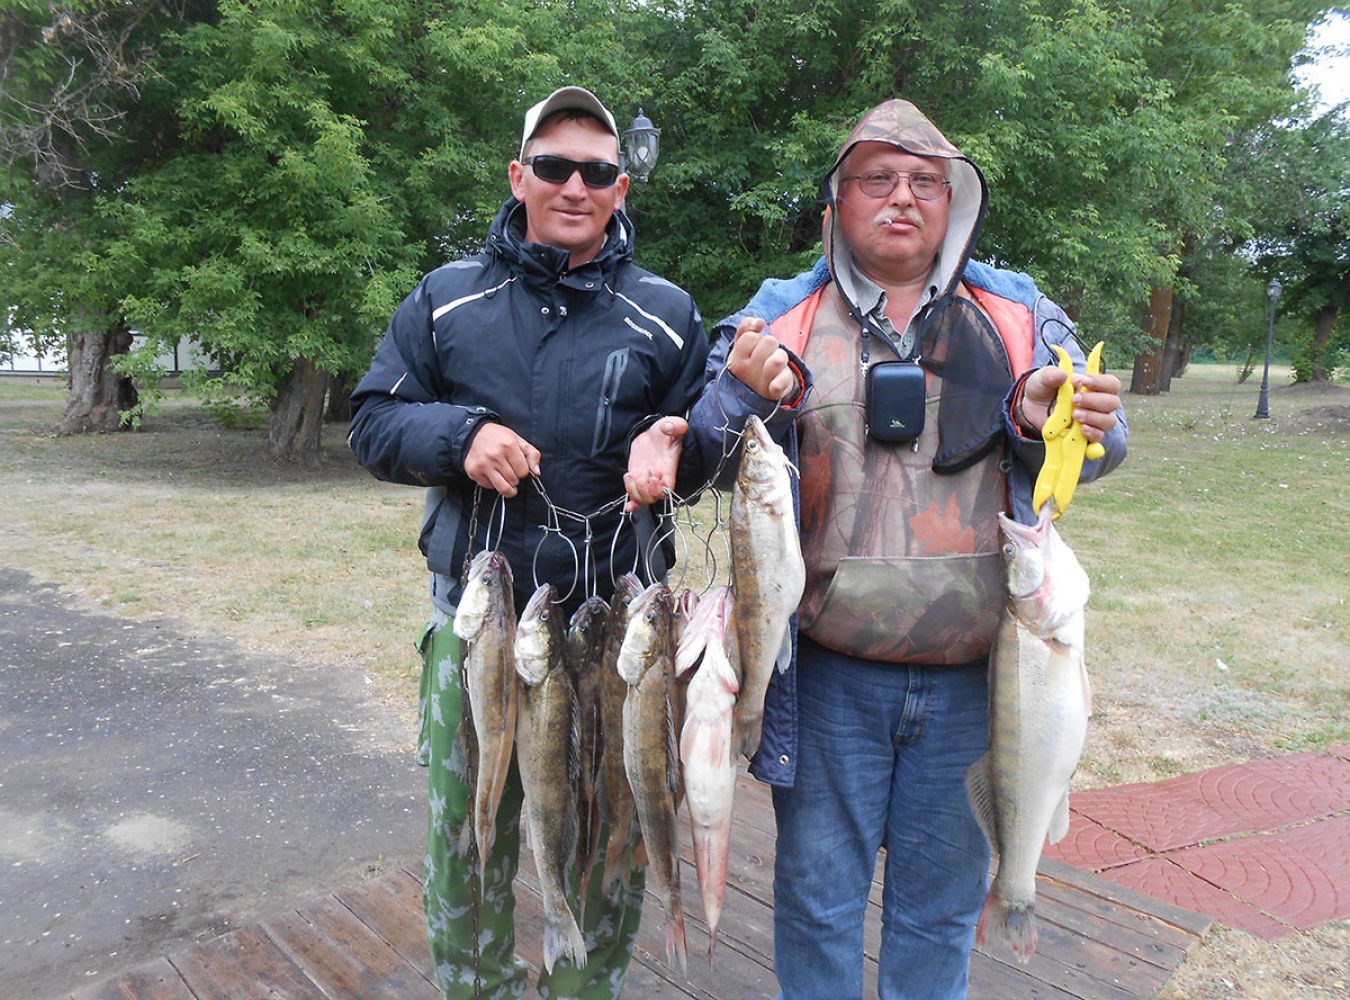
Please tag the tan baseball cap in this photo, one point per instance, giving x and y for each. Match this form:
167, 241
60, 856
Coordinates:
561, 99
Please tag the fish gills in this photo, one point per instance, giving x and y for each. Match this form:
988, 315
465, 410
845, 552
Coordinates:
586, 635
707, 648
767, 572
651, 760
546, 748
490, 693
1038, 712
615, 796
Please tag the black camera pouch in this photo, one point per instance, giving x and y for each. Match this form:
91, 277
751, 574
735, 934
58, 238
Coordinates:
895, 393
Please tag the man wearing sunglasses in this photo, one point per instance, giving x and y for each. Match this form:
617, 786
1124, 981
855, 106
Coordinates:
547, 374
932, 376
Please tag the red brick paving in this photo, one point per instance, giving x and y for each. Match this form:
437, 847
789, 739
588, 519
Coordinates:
1298, 875
1088, 844
1222, 802
1263, 846
1161, 879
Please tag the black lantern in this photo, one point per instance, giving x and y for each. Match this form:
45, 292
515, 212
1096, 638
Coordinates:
640, 142
1263, 403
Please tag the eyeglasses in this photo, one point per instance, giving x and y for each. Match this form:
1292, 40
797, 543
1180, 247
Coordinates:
559, 170
879, 183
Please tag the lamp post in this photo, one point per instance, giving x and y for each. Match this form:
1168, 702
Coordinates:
640, 147
1273, 290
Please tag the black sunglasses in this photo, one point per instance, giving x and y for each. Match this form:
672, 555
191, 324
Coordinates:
559, 170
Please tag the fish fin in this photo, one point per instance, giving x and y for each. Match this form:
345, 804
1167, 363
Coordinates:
720, 664
1059, 822
641, 859
784, 658
672, 752
617, 865
689, 653
980, 791
563, 939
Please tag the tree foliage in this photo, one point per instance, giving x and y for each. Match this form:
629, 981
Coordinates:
271, 177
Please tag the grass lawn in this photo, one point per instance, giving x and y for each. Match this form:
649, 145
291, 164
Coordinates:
1218, 630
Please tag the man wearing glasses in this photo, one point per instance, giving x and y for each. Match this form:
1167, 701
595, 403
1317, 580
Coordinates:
547, 366
932, 376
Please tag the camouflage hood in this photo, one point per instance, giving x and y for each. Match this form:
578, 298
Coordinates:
901, 124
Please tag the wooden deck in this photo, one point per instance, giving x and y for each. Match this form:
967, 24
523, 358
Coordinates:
1097, 941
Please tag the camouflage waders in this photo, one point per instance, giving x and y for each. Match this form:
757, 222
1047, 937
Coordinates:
610, 924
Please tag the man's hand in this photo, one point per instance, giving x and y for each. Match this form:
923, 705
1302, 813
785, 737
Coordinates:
758, 361
1096, 399
652, 461
499, 459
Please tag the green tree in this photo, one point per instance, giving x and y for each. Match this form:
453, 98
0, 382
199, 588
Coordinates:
332, 151
74, 125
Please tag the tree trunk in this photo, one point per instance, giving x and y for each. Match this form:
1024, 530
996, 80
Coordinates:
98, 395
1326, 320
1172, 363
1147, 377
339, 408
297, 416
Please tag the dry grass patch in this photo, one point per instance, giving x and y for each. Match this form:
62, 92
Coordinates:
1219, 627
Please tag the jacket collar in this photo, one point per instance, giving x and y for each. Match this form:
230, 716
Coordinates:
541, 264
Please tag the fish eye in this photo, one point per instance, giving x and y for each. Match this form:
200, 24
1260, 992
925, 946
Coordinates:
544, 615
1009, 549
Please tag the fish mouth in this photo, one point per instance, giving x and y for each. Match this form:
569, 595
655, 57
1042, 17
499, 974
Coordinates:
1031, 533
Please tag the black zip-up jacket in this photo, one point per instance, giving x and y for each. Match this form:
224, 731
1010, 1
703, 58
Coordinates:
572, 361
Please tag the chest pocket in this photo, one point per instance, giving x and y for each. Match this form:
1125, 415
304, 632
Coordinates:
615, 365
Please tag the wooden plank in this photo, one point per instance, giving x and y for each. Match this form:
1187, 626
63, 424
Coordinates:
991, 980
1195, 923
1169, 936
243, 965
154, 980
344, 956
1064, 911
741, 969
392, 907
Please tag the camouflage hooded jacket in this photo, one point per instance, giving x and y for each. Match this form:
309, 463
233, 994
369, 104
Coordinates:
878, 510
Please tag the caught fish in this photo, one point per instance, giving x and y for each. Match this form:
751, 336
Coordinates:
616, 797
586, 649
651, 761
1039, 703
707, 649
490, 693
767, 572
546, 749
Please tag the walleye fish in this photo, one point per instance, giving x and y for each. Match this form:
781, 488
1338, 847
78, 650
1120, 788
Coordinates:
490, 695
651, 761
546, 742
586, 649
767, 573
707, 649
616, 797
1039, 703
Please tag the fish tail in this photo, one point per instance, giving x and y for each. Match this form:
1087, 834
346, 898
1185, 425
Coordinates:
710, 859
675, 937
563, 939
1015, 924
750, 736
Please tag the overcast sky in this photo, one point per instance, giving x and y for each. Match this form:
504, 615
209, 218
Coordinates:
1330, 70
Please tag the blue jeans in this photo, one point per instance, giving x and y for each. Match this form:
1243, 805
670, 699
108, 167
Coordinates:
882, 756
